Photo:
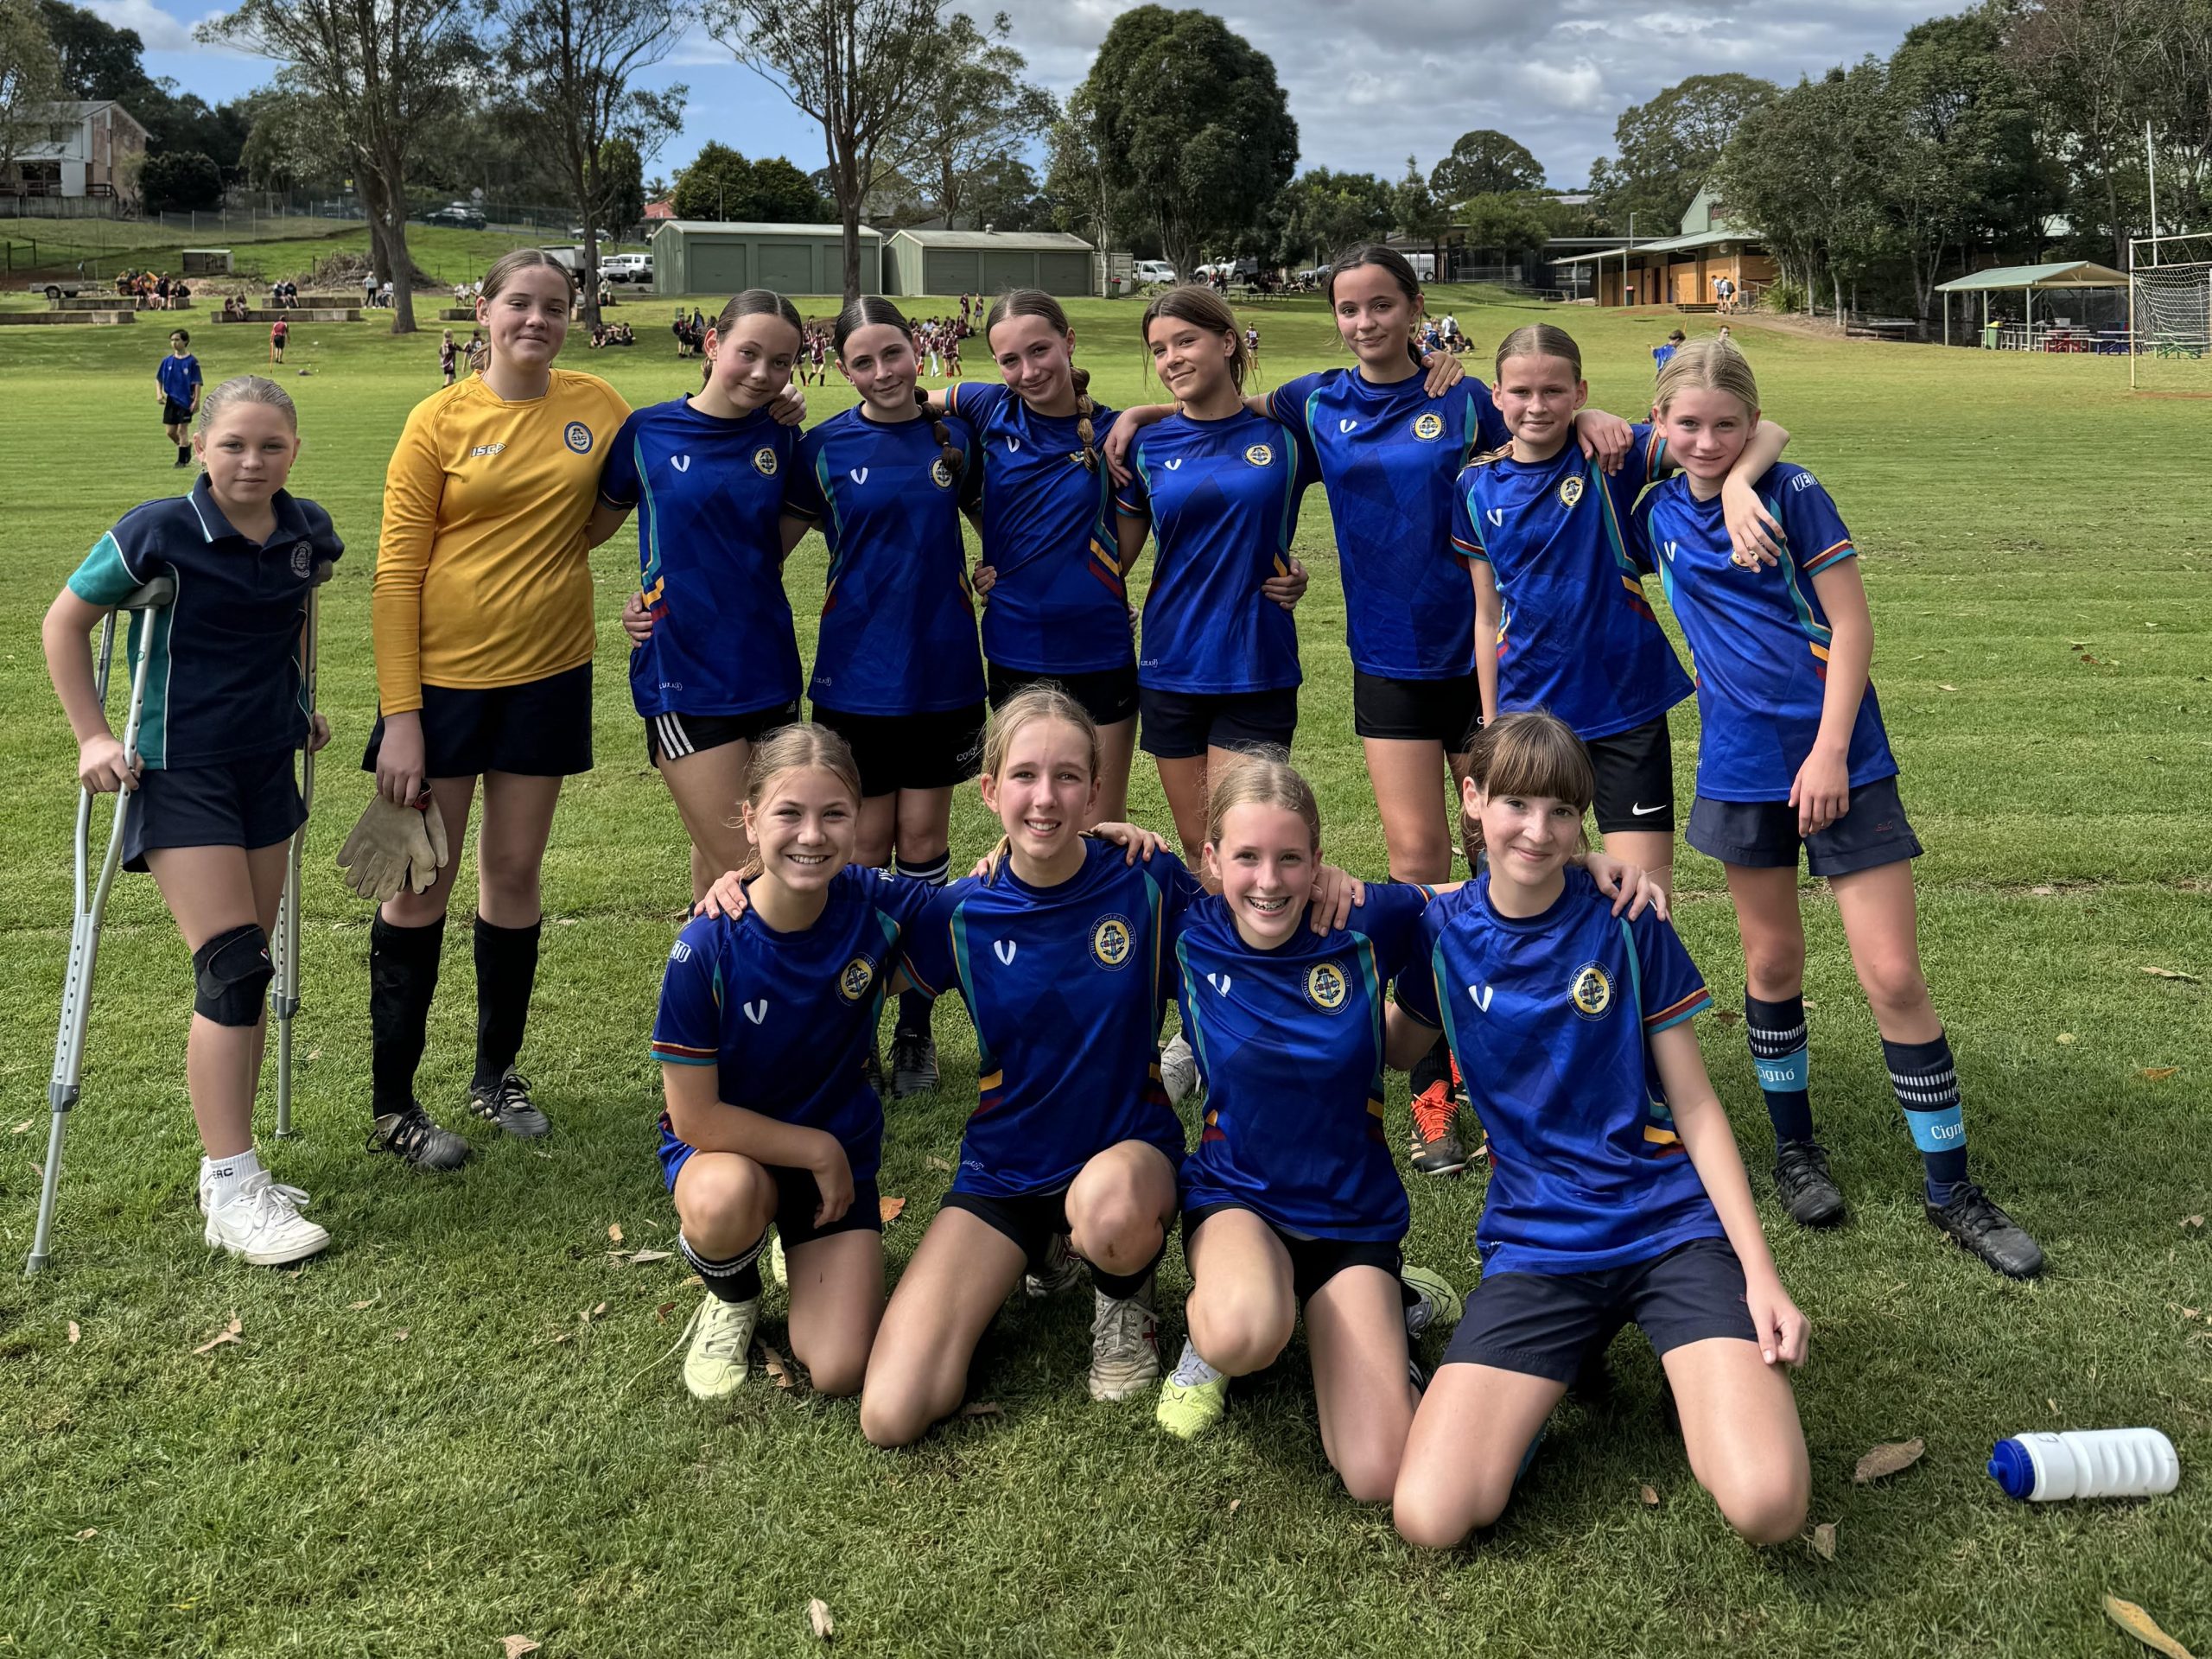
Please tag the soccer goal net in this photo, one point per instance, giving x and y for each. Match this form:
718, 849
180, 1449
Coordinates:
2170, 303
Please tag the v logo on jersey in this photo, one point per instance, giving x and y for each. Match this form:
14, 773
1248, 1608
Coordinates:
858, 474
1479, 996
1672, 547
1014, 446
1220, 984
1347, 426
682, 463
1174, 465
756, 1011
1497, 515
1004, 950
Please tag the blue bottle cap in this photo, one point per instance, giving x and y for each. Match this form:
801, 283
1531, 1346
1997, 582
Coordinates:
2012, 1468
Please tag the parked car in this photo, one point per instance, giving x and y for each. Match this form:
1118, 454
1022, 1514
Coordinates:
457, 213
627, 268
55, 288
1152, 270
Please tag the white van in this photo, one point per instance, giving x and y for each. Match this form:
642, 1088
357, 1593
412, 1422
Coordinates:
627, 268
1152, 270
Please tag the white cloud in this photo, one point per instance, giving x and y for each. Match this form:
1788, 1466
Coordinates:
159, 31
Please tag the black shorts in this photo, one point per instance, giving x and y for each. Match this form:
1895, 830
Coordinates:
253, 801
1030, 1219
677, 735
1636, 778
938, 750
1109, 696
1449, 711
1313, 1261
1184, 725
1762, 835
541, 728
1541, 1324
175, 414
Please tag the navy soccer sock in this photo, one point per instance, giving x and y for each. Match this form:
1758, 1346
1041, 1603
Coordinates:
1776, 1032
1927, 1084
735, 1279
915, 1006
403, 978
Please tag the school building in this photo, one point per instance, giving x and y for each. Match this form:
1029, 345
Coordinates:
1678, 271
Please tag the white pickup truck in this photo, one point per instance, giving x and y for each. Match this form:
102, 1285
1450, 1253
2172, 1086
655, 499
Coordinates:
57, 288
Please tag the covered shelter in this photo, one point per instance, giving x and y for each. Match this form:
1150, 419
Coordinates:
990, 261
702, 256
1678, 271
2027, 281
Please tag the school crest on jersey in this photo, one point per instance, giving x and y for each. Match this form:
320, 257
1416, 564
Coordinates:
302, 557
577, 436
1261, 455
859, 974
1327, 986
1428, 426
1111, 941
764, 461
1591, 990
940, 475
1570, 489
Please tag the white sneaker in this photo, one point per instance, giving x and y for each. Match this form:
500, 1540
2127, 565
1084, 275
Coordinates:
1124, 1346
263, 1225
1060, 1269
1179, 1069
721, 1342
779, 1272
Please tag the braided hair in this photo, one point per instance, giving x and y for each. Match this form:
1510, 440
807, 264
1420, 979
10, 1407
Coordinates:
1035, 302
870, 310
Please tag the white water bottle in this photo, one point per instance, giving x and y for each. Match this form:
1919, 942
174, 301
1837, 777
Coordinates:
2085, 1463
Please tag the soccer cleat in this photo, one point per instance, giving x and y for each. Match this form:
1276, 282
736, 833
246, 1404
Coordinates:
262, 1224
1061, 1270
1434, 1148
507, 1103
1974, 1219
1179, 1069
1193, 1397
721, 1352
1124, 1344
418, 1141
913, 1063
1438, 1307
1808, 1192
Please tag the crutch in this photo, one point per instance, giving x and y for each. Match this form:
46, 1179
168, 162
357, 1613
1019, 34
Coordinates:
148, 601
284, 987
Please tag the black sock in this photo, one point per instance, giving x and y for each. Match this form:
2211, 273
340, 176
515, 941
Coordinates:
1927, 1085
403, 977
736, 1280
1122, 1286
507, 969
1432, 1068
915, 1006
1776, 1032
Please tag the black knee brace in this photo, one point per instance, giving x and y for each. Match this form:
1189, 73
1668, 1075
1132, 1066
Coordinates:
231, 971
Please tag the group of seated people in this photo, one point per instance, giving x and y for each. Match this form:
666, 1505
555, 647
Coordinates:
615, 333
283, 295
152, 290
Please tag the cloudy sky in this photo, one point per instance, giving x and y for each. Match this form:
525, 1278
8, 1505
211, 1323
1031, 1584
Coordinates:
1369, 83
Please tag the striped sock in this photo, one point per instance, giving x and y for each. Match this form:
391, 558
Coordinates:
737, 1279
1776, 1032
1927, 1084
915, 1006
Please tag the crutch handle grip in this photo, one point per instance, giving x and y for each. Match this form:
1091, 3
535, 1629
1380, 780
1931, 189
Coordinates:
155, 595
324, 569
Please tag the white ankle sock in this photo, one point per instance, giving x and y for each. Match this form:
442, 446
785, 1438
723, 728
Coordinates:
1190, 1371
222, 1177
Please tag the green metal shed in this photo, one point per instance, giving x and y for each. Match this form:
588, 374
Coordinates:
698, 256
989, 262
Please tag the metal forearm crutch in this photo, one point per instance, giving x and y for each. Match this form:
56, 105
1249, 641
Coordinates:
148, 601
284, 987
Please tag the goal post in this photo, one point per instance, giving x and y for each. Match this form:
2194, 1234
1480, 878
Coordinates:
2169, 312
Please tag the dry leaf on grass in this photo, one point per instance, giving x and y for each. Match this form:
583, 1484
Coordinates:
646, 1258
2144, 1628
889, 1209
1890, 1458
2065, 1036
933, 1160
24, 1127
402, 1334
513, 1647
1824, 1540
370, 1302
614, 1231
778, 1367
661, 1313
596, 1311
1650, 1498
2173, 973
228, 1333
1235, 1505
87, 1535
1940, 686
75, 1335
2192, 1221
983, 1408
818, 1619
1727, 1016
2158, 1073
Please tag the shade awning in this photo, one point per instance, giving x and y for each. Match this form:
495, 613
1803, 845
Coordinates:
2066, 273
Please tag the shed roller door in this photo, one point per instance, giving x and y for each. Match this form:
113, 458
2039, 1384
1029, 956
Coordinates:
1002, 270
787, 268
950, 271
717, 267
1063, 273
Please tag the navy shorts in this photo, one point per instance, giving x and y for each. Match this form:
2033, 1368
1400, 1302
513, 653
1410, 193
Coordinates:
940, 749
1030, 1219
796, 1197
1184, 725
1541, 1324
253, 801
1636, 778
1313, 1261
674, 736
175, 414
1762, 835
1109, 696
1449, 711
541, 728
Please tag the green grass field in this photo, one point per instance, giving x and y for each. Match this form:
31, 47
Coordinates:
461, 1423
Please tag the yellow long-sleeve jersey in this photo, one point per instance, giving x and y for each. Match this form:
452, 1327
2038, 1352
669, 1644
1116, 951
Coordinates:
481, 578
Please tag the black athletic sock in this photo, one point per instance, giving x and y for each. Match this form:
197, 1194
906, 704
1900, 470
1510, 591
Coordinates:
507, 969
1776, 1032
1122, 1286
1927, 1085
737, 1279
915, 1006
1432, 1068
403, 977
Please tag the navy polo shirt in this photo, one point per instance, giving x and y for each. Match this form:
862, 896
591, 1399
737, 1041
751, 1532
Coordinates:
225, 677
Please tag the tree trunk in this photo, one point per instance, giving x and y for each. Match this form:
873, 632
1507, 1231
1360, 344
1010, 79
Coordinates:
392, 163
846, 177
590, 195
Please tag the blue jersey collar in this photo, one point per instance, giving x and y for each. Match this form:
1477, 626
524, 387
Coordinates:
291, 522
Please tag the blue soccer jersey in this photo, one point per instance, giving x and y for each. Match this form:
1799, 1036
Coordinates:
709, 496
176, 377
224, 677
1221, 498
788, 1020
898, 621
1575, 634
1066, 986
1551, 1017
1758, 639
1388, 456
1059, 604
1290, 1042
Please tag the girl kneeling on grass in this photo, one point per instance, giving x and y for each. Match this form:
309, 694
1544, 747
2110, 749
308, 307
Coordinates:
1792, 754
1618, 1194
765, 1020
213, 802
